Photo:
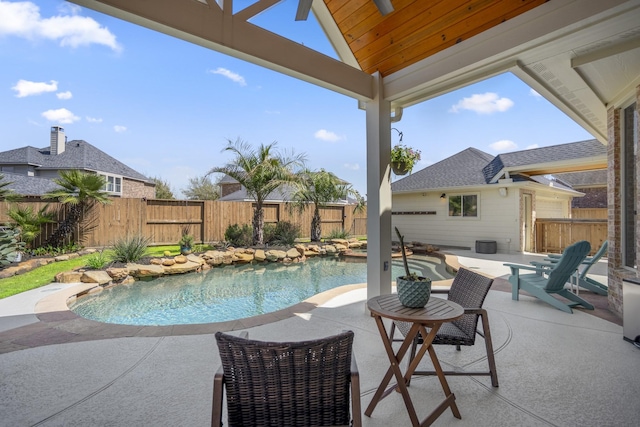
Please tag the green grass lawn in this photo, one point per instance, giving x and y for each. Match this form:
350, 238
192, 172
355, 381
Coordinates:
46, 274
38, 277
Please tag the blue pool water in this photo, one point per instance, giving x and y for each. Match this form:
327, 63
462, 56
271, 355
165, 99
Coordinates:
232, 292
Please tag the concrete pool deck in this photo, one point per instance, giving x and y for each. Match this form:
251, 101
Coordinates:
554, 368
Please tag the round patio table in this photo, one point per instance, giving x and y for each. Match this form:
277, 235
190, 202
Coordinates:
433, 315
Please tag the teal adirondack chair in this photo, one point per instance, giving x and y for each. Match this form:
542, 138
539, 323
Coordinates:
544, 286
582, 280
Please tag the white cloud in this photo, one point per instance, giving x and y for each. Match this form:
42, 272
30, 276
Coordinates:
27, 88
64, 95
23, 19
235, 77
351, 166
532, 146
503, 145
93, 119
534, 93
485, 103
325, 135
119, 128
61, 115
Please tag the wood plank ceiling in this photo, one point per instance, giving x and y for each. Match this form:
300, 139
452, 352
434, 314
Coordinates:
416, 29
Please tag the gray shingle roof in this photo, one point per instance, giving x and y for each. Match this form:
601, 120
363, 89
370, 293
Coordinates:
78, 154
584, 179
461, 169
554, 153
28, 185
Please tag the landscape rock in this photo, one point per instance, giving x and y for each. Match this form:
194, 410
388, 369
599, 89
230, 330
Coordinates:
168, 262
100, 277
184, 267
118, 274
180, 259
259, 255
141, 270
68, 277
293, 253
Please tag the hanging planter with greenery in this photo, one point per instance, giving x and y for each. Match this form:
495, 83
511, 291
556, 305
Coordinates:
403, 159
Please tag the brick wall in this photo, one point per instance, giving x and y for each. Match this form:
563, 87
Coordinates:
137, 189
615, 196
593, 198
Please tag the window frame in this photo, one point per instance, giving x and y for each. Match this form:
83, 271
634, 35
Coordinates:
462, 197
113, 183
629, 202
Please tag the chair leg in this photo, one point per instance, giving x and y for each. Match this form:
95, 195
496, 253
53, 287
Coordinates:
489, 345
218, 386
356, 409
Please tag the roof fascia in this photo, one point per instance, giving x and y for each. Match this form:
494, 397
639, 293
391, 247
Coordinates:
215, 27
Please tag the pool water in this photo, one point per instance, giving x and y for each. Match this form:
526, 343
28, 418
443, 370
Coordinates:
232, 292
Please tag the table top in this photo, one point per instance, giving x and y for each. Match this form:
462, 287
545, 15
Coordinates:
437, 310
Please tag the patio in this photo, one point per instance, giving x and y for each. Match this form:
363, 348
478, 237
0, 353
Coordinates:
554, 368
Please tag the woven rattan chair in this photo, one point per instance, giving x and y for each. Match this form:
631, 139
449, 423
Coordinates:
287, 384
468, 289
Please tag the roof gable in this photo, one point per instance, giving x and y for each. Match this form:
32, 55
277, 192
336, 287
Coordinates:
461, 169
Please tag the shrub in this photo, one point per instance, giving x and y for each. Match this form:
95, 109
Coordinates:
10, 245
338, 234
239, 236
130, 248
97, 260
285, 233
56, 250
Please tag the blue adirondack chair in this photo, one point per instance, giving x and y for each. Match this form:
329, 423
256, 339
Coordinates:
581, 279
544, 286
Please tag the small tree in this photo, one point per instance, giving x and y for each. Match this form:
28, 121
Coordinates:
319, 189
260, 172
163, 189
79, 190
29, 221
201, 188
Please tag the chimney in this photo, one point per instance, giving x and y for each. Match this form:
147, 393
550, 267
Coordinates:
58, 140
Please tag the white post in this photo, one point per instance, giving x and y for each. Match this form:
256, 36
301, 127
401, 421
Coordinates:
378, 193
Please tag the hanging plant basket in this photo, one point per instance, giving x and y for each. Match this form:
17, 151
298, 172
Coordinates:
400, 168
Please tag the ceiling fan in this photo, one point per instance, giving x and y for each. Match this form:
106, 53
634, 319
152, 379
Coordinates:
304, 6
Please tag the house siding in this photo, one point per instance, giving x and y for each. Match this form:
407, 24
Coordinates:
497, 219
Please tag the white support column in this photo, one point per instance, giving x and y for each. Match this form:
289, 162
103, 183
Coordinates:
378, 193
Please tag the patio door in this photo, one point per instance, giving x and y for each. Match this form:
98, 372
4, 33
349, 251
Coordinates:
527, 223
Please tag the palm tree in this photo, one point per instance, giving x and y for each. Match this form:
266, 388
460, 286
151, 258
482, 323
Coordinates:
260, 171
79, 190
5, 193
319, 188
30, 221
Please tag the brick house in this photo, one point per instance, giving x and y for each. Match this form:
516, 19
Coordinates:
32, 170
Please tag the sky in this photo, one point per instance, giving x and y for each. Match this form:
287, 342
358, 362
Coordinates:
167, 108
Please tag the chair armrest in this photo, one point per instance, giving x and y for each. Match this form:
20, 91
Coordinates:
440, 291
478, 310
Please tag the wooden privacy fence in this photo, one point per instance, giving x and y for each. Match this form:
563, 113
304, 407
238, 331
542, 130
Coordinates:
163, 220
589, 213
553, 235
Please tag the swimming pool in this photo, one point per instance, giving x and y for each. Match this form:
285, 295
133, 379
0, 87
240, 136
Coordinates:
232, 292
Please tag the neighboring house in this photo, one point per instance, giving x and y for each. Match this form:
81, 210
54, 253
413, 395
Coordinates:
593, 184
473, 195
35, 164
232, 191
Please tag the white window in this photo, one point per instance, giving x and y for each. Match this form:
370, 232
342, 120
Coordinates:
629, 197
463, 205
113, 184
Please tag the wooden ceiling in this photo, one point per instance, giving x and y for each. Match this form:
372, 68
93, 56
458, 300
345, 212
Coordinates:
416, 29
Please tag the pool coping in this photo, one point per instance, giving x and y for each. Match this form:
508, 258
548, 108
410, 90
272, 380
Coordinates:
57, 324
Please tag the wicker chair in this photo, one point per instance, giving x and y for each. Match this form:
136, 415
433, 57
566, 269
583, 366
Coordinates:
287, 384
468, 289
